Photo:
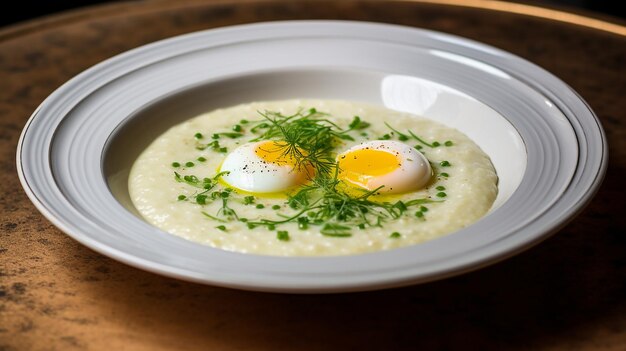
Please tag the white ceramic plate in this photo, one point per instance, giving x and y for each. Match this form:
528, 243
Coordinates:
547, 146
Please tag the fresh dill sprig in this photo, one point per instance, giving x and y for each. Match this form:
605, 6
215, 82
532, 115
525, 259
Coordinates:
307, 136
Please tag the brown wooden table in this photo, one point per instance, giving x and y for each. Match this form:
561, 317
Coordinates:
568, 293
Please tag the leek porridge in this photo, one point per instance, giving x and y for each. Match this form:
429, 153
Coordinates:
311, 177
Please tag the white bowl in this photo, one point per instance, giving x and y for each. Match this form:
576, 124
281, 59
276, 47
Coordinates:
546, 144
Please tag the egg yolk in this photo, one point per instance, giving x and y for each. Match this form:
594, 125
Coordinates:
359, 166
274, 152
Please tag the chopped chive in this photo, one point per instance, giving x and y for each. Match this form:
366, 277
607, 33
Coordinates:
201, 199
418, 147
201, 159
403, 137
271, 226
198, 136
259, 206
244, 220
358, 124
400, 206
229, 135
243, 121
441, 187
395, 235
386, 137
419, 214
276, 207
435, 144
221, 227
223, 150
175, 164
444, 174
441, 194
182, 197
250, 225
423, 208
189, 164
282, 235
248, 200
303, 222
448, 143
361, 226
237, 128
444, 164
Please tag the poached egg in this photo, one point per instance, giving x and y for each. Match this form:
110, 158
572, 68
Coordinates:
397, 167
263, 167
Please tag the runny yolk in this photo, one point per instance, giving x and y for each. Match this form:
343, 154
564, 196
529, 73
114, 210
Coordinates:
359, 166
275, 152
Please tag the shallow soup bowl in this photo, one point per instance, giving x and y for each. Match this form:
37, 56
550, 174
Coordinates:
546, 145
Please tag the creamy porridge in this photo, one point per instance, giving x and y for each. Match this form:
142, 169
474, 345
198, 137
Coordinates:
309, 177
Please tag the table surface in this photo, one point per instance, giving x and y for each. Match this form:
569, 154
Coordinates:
568, 292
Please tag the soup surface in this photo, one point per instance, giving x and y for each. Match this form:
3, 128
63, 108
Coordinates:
310, 178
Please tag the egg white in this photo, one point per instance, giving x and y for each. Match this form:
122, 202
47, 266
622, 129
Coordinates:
249, 172
413, 172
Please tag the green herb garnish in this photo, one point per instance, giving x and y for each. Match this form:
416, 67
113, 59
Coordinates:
405, 137
282, 235
310, 139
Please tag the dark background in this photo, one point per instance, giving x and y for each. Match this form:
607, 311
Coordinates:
29, 9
